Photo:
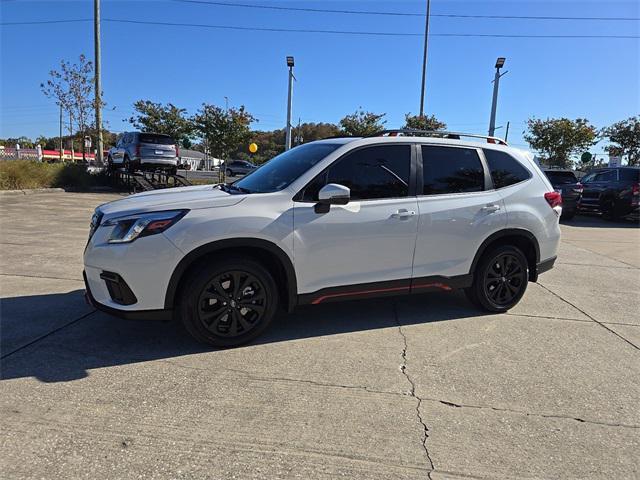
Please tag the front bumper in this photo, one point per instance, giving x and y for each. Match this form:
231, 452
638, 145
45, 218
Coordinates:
162, 315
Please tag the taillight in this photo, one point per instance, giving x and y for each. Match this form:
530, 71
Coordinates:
554, 199
635, 189
177, 151
578, 188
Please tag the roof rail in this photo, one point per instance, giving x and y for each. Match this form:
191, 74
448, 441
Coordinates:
411, 132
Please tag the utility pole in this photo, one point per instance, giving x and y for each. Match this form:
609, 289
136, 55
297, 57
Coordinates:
73, 153
506, 134
290, 64
61, 146
98, 81
494, 103
424, 58
226, 103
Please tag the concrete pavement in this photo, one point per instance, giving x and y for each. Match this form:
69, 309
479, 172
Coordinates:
395, 388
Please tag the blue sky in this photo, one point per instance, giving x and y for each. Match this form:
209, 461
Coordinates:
594, 78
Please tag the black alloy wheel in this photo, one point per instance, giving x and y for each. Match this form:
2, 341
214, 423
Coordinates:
500, 279
232, 304
228, 301
504, 279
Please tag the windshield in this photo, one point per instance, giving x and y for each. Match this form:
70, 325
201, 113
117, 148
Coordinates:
561, 178
282, 170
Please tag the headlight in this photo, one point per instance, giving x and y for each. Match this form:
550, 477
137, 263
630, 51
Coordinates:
127, 229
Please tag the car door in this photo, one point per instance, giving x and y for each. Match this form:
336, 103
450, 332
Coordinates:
594, 185
366, 246
458, 209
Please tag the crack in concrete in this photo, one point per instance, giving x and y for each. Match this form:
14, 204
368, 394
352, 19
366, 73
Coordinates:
412, 392
529, 414
591, 317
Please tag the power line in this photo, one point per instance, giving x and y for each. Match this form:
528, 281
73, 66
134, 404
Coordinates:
399, 14
331, 32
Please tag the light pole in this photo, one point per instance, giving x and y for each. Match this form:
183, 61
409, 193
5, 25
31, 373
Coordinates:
424, 59
98, 81
494, 103
290, 64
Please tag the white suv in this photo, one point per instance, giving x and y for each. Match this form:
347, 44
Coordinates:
337, 219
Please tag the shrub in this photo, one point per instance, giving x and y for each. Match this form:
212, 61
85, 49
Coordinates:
22, 174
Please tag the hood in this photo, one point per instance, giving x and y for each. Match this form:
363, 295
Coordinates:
195, 197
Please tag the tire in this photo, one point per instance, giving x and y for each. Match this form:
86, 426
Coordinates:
236, 310
229, 173
110, 167
485, 292
609, 210
173, 171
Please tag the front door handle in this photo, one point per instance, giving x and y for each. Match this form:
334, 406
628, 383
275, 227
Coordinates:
403, 213
491, 208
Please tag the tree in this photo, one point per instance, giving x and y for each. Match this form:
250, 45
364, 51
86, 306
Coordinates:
625, 137
424, 122
166, 119
362, 124
72, 88
223, 131
558, 139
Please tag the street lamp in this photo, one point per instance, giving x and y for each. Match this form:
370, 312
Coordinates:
494, 103
290, 64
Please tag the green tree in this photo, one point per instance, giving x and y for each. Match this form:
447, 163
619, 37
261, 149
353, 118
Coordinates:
625, 139
558, 139
424, 122
362, 124
72, 89
223, 131
166, 119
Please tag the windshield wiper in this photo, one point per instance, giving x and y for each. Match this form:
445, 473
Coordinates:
230, 188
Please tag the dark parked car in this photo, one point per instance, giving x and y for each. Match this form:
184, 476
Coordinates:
566, 183
238, 167
144, 151
611, 191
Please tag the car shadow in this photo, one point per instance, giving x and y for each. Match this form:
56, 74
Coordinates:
68, 349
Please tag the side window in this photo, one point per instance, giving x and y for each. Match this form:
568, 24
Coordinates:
451, 170
505, 170
588, 178
382, 171
608, 176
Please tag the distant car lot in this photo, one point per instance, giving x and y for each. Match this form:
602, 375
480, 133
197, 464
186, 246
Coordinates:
549, 390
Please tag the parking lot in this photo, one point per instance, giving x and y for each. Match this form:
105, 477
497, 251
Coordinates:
405, 388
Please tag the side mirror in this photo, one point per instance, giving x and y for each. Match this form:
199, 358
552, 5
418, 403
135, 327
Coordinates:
332, 194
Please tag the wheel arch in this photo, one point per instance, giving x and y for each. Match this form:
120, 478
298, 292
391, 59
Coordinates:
523, 239
264, 251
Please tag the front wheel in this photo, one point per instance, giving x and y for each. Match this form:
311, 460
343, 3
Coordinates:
228, 302
500, 279
229, 173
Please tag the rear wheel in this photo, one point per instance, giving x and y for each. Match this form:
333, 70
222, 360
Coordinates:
229, 302
229, 173
128, 166
500, 279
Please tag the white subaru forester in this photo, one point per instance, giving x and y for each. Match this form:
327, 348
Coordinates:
406, 212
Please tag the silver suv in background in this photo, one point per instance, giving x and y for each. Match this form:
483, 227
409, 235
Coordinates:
144, 151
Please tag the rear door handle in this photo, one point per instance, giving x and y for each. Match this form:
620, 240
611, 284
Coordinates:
403, 213
491, 208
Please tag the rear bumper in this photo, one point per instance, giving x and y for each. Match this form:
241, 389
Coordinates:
162, 315
165, 162
545, 266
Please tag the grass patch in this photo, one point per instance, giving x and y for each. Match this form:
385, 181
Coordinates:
24, 174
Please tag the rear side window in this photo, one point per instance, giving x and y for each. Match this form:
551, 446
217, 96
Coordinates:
560, 178
373, 172
451, 170
505, 170
629, 175
156, 139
